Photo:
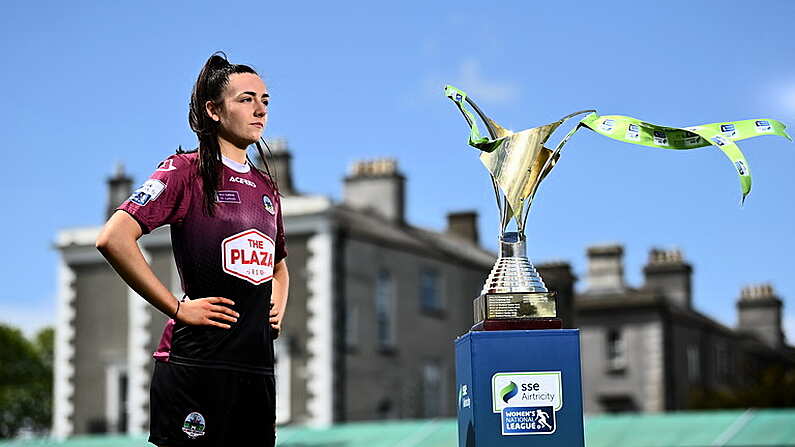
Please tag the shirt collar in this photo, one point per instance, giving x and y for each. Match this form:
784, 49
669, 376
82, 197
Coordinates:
242, 168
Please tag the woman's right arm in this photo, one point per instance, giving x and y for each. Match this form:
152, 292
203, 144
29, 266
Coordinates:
118, 243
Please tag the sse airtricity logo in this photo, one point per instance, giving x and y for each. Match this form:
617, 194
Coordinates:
509, 391
527, 401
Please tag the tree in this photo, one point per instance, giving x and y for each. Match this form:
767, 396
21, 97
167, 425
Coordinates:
25, 381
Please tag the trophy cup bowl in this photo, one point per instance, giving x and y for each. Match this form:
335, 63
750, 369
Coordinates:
514, 295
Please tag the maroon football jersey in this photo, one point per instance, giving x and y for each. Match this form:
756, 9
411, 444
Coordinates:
230, 254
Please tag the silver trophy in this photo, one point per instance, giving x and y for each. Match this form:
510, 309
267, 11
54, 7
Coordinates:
514, 295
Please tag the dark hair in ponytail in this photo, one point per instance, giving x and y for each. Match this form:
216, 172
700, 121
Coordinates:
210, 85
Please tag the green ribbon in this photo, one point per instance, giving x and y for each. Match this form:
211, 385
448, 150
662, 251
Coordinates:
720, 135
629, 130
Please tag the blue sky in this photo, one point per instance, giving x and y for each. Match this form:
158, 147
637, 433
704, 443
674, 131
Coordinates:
88, 85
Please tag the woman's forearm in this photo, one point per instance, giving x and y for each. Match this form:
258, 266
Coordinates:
281, 285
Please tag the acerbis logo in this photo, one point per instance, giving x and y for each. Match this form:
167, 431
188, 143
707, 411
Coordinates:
242, 181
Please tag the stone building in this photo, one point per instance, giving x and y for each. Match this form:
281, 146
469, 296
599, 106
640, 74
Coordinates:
375, 304
648, 349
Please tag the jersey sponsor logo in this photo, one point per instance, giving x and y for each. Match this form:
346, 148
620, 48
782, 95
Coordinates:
266, 201
248, 255
242, 181
229, 196
149, 191
194, 425
166, 165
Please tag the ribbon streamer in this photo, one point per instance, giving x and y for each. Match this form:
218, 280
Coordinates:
720, 135
518, 161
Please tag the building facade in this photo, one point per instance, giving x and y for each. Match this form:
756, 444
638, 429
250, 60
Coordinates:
647, 349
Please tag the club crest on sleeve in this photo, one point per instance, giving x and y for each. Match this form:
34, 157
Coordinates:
194, 425
166, 165
266, 201
150, 190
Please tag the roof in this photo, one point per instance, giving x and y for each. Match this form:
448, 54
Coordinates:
746, 428
377, 229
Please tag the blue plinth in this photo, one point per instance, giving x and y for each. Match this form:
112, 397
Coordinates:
519, 388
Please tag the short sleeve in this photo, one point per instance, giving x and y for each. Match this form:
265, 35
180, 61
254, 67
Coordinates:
163, 198
281, 240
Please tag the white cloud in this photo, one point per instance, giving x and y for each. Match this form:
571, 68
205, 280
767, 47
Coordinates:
467, 76
470, 79
29, 317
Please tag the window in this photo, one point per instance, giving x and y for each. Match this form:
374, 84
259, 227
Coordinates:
616, 351
432, 390
352, 326
430, 290
721, 363
385, 309
693, 363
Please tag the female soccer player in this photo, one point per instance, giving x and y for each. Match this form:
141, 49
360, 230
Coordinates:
215, 386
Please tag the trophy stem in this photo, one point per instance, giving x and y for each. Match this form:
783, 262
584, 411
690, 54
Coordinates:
513, 272
514, 295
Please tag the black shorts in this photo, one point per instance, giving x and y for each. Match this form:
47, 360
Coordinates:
195, 406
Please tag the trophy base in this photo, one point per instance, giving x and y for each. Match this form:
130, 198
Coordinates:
516, 311
522, 324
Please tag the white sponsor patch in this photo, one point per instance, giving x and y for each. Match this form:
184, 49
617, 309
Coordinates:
633, 132
608, 125
249, 255
527, 389
150, 190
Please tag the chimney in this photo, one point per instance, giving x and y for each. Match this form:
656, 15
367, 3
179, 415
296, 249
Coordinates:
119, 189
558, 278
279, 163
376, 185
464, 224
605, 269
668, 273
759, 312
